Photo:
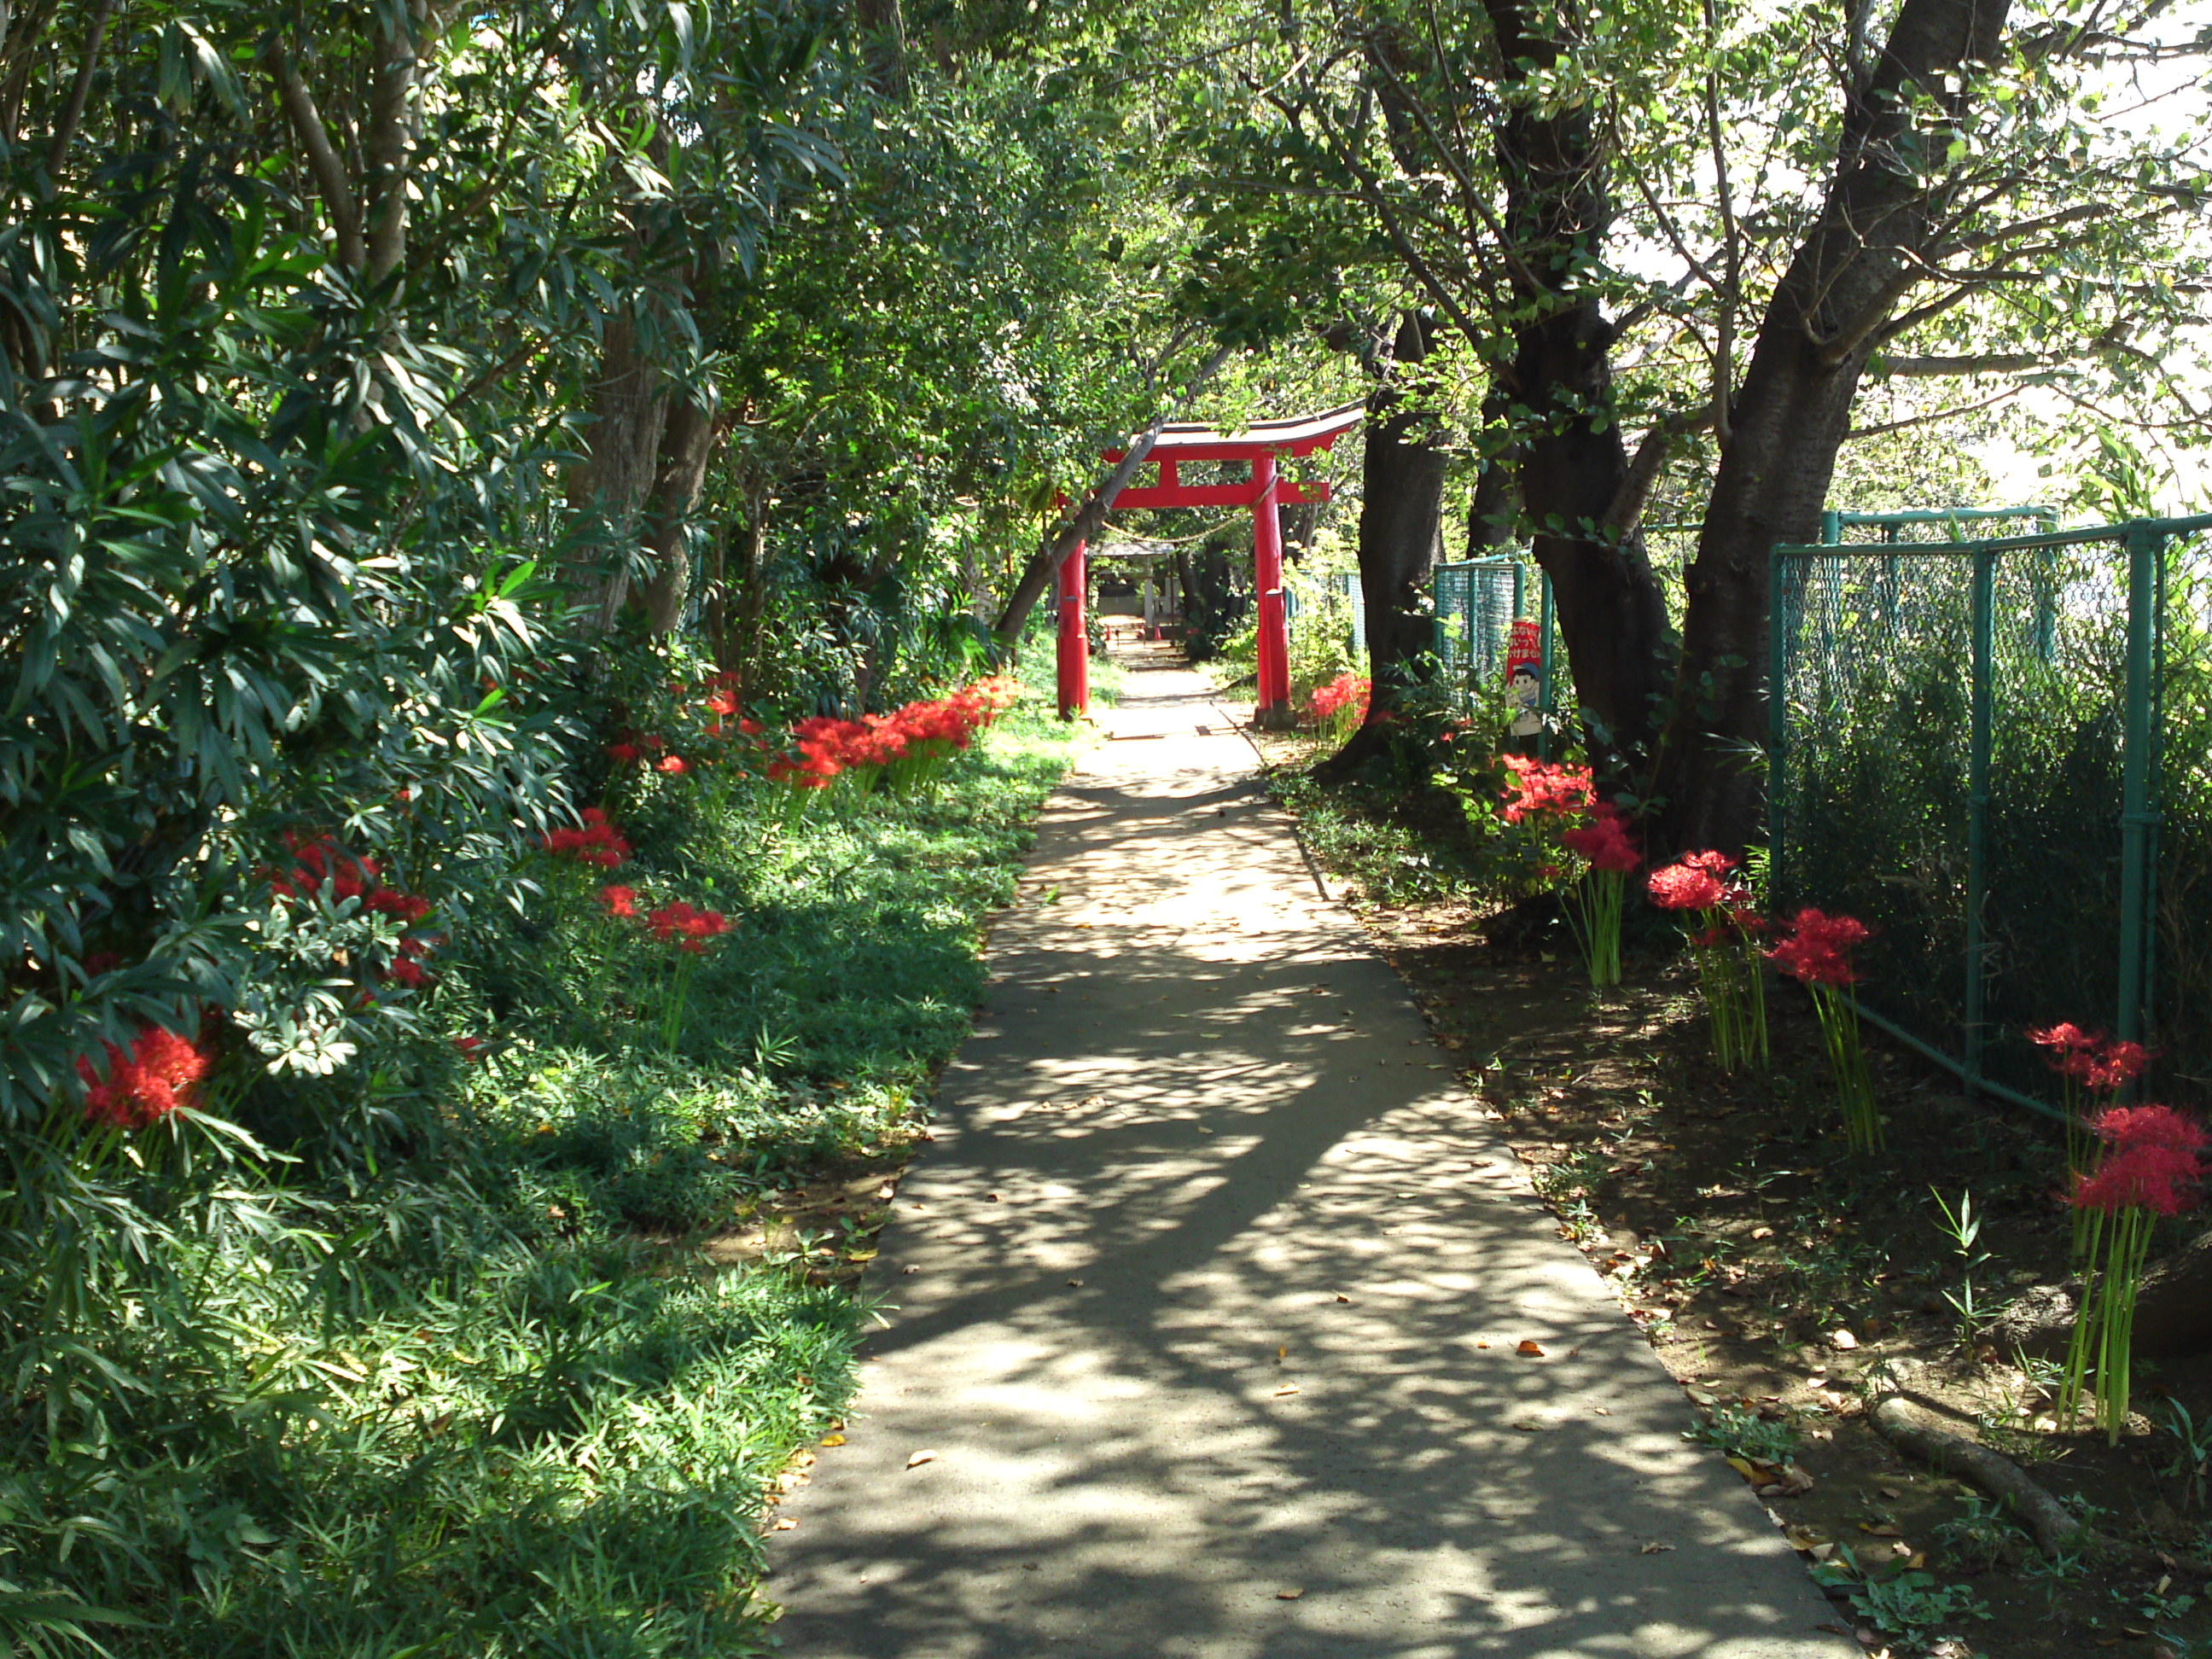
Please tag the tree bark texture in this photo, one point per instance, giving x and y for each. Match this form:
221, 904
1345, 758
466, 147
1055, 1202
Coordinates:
686, 444
1400, 537
883, 45
629, 409
1573, 461
1792, 411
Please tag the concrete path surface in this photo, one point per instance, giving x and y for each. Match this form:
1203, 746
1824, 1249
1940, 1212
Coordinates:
1206, 1304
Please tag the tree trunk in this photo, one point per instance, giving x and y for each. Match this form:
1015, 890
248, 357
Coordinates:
883, 46
1573, 461
1793, 411
629, 412
1400, 536
2174, 1311
686, 445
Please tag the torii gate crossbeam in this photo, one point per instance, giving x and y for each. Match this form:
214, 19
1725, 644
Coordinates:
1263, 446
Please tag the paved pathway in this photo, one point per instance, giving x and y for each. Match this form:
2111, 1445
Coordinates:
1208, 1301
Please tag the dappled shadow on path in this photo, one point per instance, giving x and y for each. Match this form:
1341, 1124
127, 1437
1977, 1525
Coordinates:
1212, 1292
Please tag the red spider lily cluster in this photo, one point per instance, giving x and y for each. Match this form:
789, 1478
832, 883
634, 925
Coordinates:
1722, 942
1563, 800
1603, 843
1699, 881
158, 1073
910, 737
1544, 787
2091, 1060
598, 842
2155, 1163
2153, 1166
321, 868
1343, 701
686, 927
1817, 950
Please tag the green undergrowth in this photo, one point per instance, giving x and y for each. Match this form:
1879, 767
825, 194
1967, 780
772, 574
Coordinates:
443, 1372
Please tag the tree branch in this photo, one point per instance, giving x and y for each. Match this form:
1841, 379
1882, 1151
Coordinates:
322, 163
80, 90
1626, 508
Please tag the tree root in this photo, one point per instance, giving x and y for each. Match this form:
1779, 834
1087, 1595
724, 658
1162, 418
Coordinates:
2054, 1528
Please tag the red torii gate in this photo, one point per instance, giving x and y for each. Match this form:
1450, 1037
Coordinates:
1262, 444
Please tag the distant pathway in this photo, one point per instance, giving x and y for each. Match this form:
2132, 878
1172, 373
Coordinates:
1208, 1302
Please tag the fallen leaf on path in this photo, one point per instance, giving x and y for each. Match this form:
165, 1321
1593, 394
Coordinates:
1527, 1427
1287, 1388
1891, 1491
909, 1270
1655, 1549
833, 1439
921, 1457
1075, 1284
1802, 1538
1703, 1396
1880, 1531
1602, 1411
1534, 1350
1841, 1339
1762, 1233
1344, 1298
1288, 1594
783, 1524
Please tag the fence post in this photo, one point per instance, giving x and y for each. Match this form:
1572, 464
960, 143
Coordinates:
1545, 701
1982, 668
2138, 816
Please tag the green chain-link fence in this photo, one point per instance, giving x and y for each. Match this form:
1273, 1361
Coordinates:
1998, 753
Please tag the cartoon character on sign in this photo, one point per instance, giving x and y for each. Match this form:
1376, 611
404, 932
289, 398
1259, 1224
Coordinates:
1524, 687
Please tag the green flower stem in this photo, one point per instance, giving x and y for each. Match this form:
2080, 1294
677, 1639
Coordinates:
1838, 1010
1594, 907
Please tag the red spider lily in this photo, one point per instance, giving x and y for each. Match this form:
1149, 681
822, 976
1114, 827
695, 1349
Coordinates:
1711, 860
1347, 692
598, 842
2065, 1038
1604, 841
160, 1073
321, 861
622, 754
1817, 950
325, 869
673, 764
2150, 1126
1544, 786
686, 927
1687, 886
619, 901
723, 702
468, 1048
2146, 1175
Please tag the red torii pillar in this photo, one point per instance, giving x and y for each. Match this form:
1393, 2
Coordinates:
1264, 492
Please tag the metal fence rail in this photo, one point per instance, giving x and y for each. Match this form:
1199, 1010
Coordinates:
1998, 753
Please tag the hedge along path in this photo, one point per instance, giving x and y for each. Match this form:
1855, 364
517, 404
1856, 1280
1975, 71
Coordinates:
1211, 1318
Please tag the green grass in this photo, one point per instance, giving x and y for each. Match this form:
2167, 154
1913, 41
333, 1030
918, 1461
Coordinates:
468, 1392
